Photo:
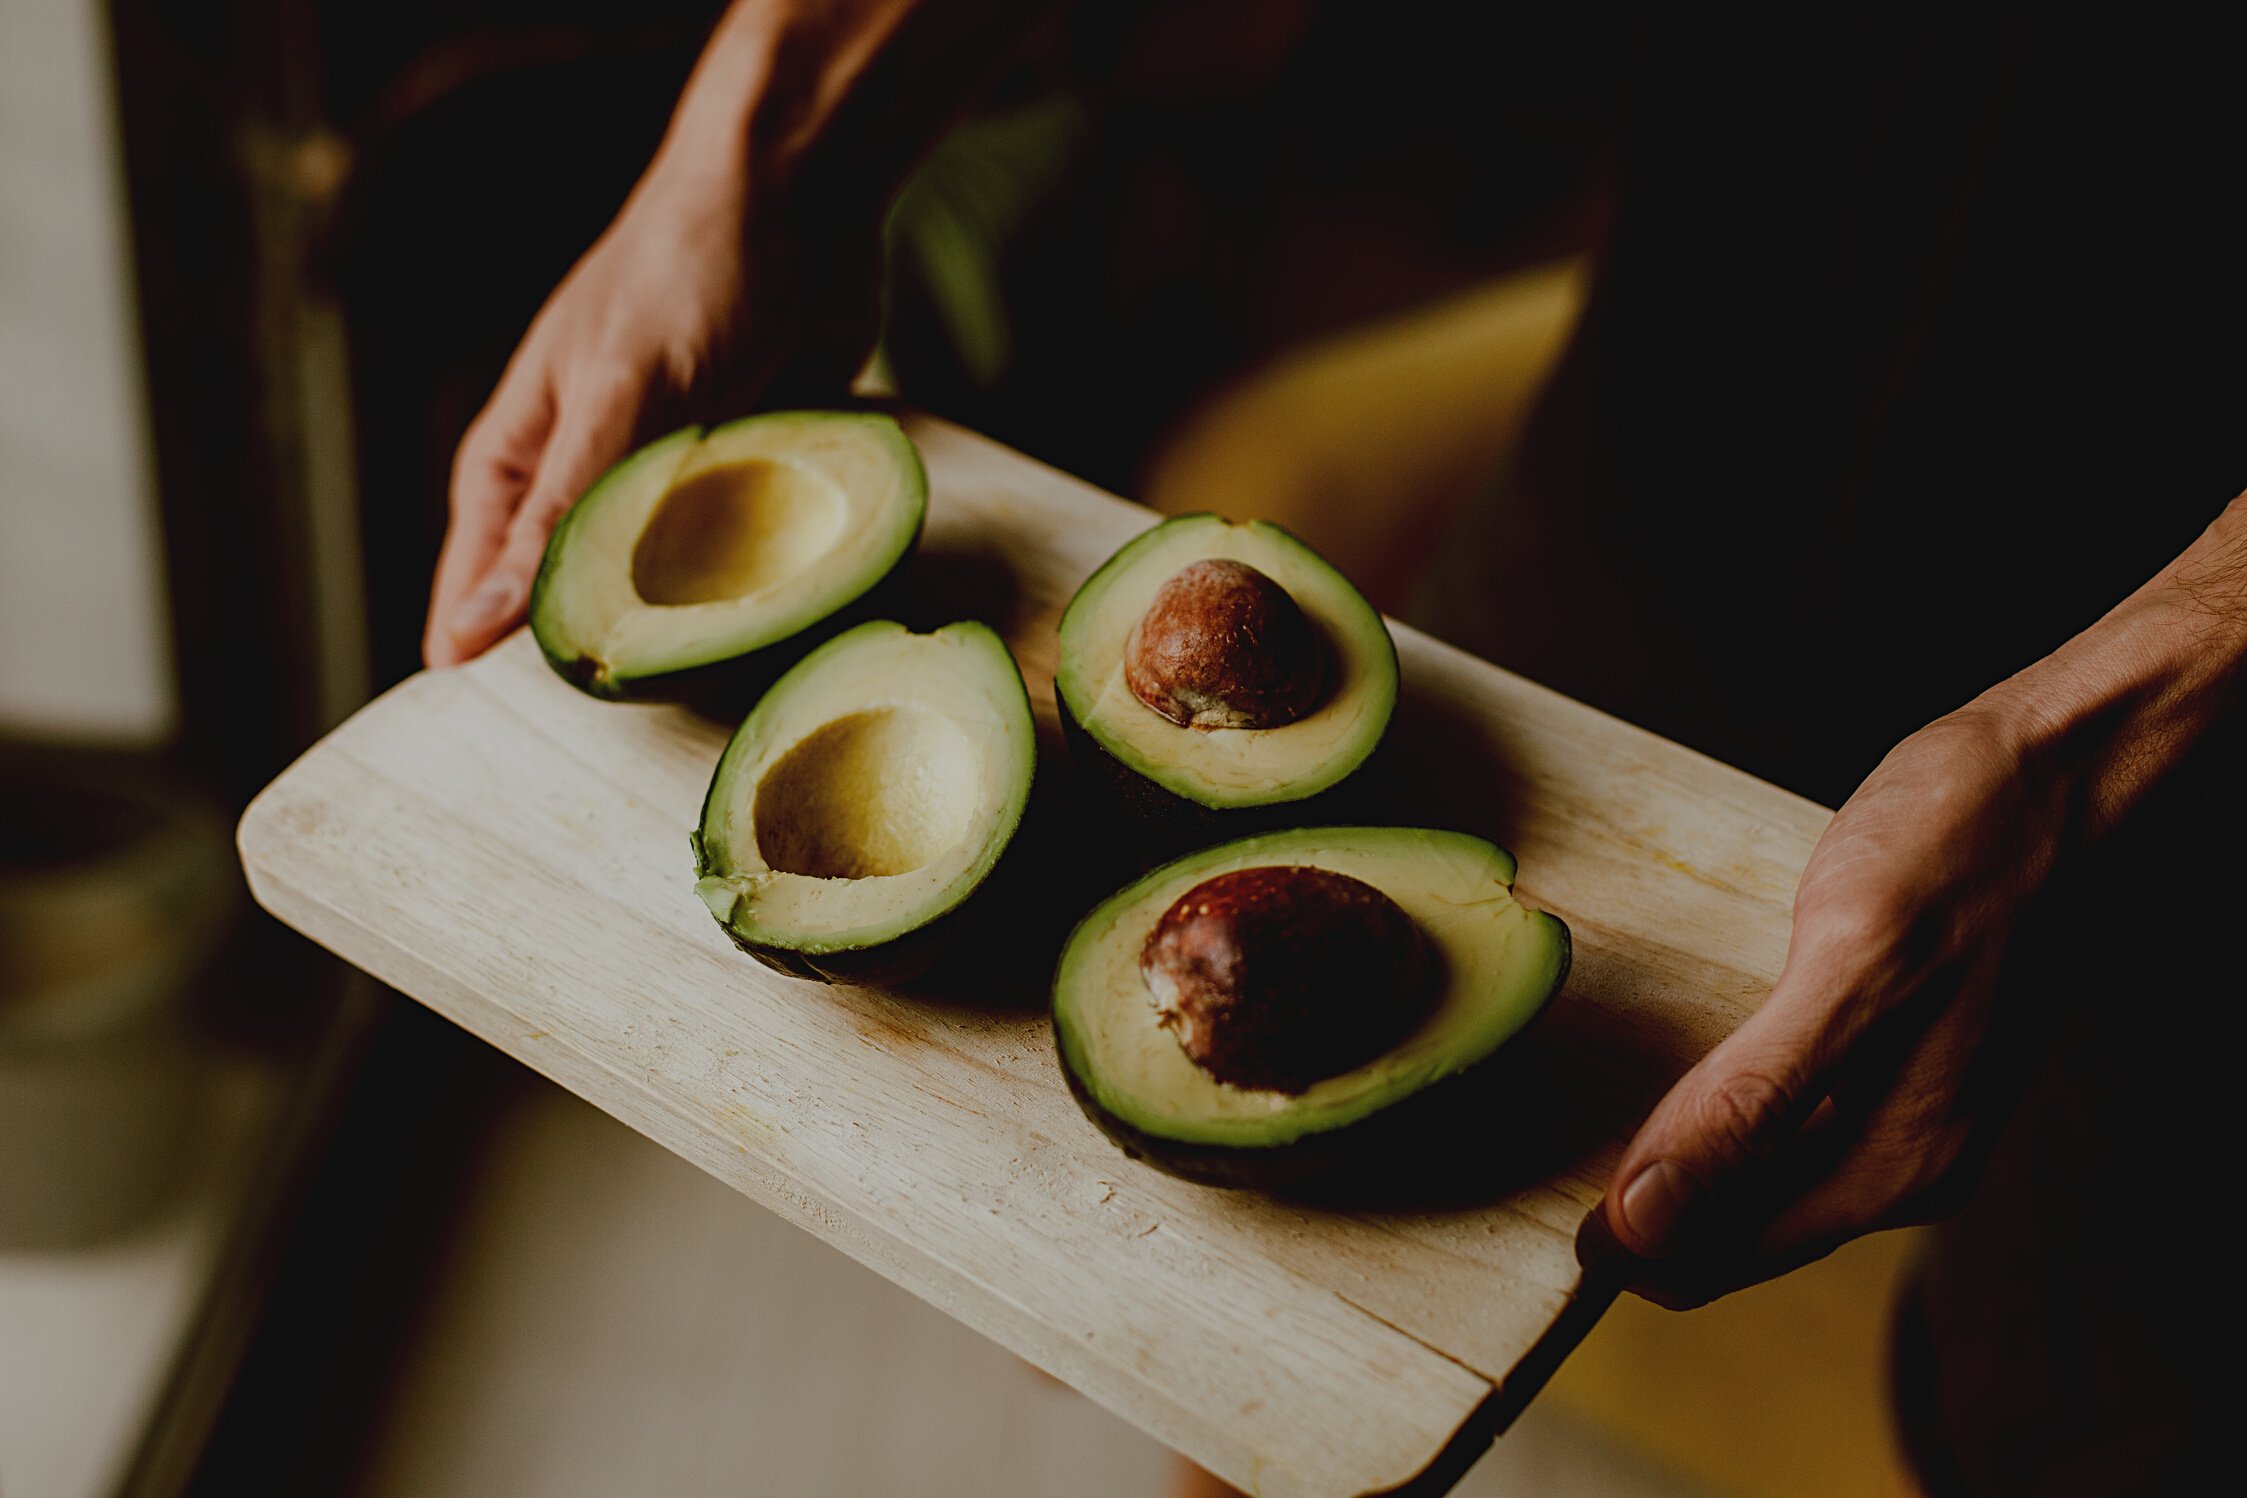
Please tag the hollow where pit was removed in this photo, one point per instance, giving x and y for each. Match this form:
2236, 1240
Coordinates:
870, 795
702, 548
871, 791
734, 530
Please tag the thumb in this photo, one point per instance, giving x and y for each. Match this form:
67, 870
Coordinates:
1690, 1161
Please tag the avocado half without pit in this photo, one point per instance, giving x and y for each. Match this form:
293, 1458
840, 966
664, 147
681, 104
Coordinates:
864, 799
1253, 1014
706, 551
1211, 671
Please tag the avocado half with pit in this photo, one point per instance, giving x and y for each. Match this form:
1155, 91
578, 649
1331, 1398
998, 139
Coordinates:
1255, 1013
710, 550
1212, 671
864, 799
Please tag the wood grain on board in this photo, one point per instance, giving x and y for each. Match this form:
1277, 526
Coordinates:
515, 856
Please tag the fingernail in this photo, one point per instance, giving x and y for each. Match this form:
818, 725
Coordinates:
496, 601
1598, 1250
1656, 1206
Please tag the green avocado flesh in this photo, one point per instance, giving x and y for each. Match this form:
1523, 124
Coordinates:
869, 793
1227, 768
705, 547
1498, 963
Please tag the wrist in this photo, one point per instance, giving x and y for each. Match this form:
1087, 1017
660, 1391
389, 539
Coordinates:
2111, 710
776, 111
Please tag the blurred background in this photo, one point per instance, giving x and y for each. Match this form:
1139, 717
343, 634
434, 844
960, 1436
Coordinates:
265, 1227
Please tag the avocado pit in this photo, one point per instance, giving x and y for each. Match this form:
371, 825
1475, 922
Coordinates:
1224, 646
1274, 978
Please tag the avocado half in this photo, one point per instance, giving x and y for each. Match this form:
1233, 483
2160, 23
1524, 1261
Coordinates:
708, 549
1497, 965
864, 799
1205, 782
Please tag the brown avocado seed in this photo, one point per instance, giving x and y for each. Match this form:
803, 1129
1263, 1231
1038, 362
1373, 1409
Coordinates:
1223, 646
1273, 978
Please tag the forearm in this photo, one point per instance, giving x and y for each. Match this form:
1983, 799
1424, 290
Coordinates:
2116, 707
834, 99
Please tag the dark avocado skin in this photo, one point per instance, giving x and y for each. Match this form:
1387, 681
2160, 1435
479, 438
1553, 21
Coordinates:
909, 957
1418, 1123
967, 928
901, 960
728, 688
1274, 1169
1169, 824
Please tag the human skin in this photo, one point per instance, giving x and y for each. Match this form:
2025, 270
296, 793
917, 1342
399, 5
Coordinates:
742, 266
1866, 1091
1862, 1094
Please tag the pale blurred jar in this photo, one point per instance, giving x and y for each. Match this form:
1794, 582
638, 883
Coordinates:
113, 892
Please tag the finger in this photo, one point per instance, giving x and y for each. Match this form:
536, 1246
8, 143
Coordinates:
1744, 1102
1749, 1097
1697, 1276
491, 470
1736, 1108
1909, 1160
1909, 1164
1869, 1190
591, 432
1730, 1249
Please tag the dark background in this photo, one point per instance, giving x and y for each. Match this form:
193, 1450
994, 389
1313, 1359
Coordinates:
342, 218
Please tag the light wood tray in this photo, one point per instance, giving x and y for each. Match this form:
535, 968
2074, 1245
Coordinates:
514, 855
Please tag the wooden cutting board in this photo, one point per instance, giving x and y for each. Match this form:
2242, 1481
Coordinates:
514, 855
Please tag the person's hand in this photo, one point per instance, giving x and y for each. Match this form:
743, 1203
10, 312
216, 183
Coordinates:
691, 305
1867, 1090
1864, 1093
744, 267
